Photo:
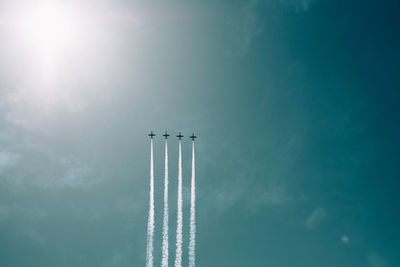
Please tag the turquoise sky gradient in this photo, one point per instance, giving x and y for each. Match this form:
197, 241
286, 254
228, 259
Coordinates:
295, 103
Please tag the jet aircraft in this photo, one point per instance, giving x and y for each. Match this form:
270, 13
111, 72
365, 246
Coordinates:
166, 135
179, 136
151, 134
193, 137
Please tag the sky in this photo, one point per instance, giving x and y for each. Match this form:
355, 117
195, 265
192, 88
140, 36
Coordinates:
295, 103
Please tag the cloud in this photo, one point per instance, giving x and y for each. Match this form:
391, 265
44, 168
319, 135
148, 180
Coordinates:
66, 171
14, 211
250, 26
251, 22
119, 257
8, 159
376, 260
259, 198
32, 107
275, 195
272, 196
34, 235
75, 175
128, 205
299, 5
72, 173
345, 239
23, 220
316, 217
227, 199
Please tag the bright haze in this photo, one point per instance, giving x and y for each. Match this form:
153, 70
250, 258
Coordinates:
295, 103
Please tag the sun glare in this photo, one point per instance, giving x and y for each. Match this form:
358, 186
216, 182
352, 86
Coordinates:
48, 35
50, 31
49, 27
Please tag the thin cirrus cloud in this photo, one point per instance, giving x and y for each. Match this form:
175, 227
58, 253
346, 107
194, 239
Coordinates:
376, 260
251, 24
8, 159
29, 108
68, 172
316, 217
299, 5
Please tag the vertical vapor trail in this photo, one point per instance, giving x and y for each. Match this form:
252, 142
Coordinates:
164, 262
150, 222
192, 238
178, 256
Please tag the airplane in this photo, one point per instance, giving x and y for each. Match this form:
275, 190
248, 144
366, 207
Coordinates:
166, 135
179, 136
151, 135
193, 137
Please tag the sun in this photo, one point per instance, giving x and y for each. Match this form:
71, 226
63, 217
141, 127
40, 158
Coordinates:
50, 27
48, 34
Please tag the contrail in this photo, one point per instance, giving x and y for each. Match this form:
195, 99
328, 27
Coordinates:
164, 262
192, 238
178, 256
150, 222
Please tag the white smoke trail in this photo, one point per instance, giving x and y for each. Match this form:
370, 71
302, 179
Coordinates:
178, 256
164, 261
192, 238
150, 222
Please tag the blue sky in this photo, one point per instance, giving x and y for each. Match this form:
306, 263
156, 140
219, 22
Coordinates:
295, 103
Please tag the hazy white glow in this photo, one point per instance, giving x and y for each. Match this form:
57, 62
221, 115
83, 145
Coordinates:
50, 27
61, 56
49, 31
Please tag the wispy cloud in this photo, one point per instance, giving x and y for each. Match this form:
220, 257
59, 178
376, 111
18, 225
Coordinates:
76, 174
345, 239
31, 108
249, 27
67, 171
28, 216
274, 195
251, 22
119, 257
316, 217
34, 235
299, 5
8, 159
376, 260
14, 211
